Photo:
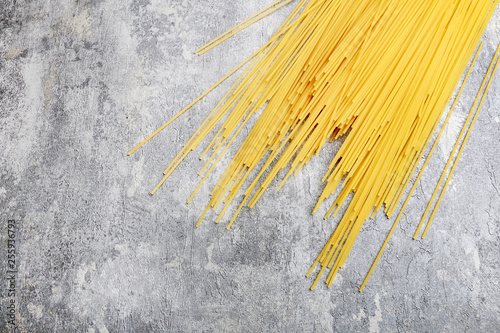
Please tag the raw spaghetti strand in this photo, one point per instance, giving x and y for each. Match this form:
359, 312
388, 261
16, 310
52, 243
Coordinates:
463, 145
262, 13
456, 146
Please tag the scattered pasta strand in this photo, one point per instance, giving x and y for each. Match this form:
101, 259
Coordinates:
245, 24
495, 59
456, 146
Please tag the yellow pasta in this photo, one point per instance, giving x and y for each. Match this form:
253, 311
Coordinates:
377, 72
421, 171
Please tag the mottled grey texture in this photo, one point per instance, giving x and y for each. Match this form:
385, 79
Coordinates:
82, 82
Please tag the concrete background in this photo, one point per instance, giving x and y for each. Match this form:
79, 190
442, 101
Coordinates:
82, 82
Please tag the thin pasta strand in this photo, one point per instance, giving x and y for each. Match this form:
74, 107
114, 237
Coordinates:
456, 146
461, 149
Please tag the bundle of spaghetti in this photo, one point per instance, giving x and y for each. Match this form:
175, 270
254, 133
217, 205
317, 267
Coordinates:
378, 72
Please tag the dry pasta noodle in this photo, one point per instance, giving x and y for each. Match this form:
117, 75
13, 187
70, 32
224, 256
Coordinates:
450, 159
460, 150
378, 72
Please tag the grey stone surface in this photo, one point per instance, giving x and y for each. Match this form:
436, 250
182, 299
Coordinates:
82, 82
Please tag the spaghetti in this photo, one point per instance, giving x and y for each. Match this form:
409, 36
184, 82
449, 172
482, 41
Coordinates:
379, 73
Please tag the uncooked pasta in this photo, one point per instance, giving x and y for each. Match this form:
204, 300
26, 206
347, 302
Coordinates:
377, 73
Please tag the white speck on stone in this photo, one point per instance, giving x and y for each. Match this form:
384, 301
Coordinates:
497, 119
32, 76
377, 318
442, 275
477, 261
57, 294
82, 24
122, 248
174, 263
450, 135
210, 265
161, 7
186, 54
361, 315
138, 176
82, 270
338, 279
471, 249
35, 310
90, 330
78, 25
103, 329
146, 250
13, 52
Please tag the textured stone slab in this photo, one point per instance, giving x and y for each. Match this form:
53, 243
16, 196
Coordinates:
82, 82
